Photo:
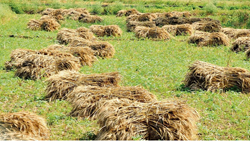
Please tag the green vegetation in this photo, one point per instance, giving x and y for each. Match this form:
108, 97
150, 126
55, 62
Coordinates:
159, 66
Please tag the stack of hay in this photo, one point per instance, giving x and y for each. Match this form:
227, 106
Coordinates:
210, 77
109, 30
182, 29
46, 23
151, 33
23, 126
209, 39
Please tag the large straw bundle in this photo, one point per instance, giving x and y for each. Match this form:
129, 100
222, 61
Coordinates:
133, 24
84, 98
64, 82
152, 33
109, 30
121, 13
49, 25
22, 126
209, 39
34, 25
241, 44
123, 119
131, 12
207, 26
101, 49
182, 29
210, 77
230, 32
89, 18
85, 54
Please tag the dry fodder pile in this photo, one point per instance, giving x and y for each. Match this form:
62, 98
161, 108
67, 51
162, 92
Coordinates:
207, 26
182, 29
151, 33
23, 126
65, 35
209, 39
123, 119
61, 84
133, 24
85, 54
241, 44
109, 30
89, 18
84, 98
210, 77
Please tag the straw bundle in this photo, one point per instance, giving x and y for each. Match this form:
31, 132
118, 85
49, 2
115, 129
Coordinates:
49, 25
230, 32
242, 33
121, 13
85, 54
241, 44
47, 11
85, 33
164, 15
109, 30
132, 18
171, 21
210, 77
72, 14
89, 18
181, 14
133, 24
182, 29
209, 39
131, 12
193, 20
34, 25
207, 26
64, 82
82, 11
84, 98
123, 119
147, 17
152, 33
23, 125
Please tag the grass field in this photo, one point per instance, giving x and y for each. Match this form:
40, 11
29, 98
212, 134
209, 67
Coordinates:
158, 66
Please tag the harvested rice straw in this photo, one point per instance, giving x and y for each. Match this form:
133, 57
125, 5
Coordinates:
47, 11
210, 77
131, 12
248, 54
121, 13
85, 54
89, 18
109, 30
23, 125
152, 33
164, 15
207, 26
85, 33
84, 98
182, 29
133, 24
242, 33
34, 25
64, 82
241, 44
49, 25
147, 17
123, 119
230, 32
181, 14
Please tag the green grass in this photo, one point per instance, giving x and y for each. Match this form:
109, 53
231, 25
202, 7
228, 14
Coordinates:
159, 66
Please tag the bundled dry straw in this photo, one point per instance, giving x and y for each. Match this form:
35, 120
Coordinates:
242, 33
85, 54
209, 39
84, 98
123, 119
210, 77
182, 29
109, 30
64, 82
133, 24
241, 44
65, 35
89, 18
23, 126
131, 12
101, 49
230, 32
151, 33
181, 14
34, 24
121, 13
46, 23
207, 26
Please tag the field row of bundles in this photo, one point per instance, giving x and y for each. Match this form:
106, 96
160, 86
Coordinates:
122, 112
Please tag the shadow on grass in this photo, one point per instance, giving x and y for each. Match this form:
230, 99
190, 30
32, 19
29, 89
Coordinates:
88, 136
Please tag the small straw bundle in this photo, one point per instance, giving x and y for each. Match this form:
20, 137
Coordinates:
171, 21
49, 24
182, 29
151, 33
109, 30
207, 26
230, 32
209, 39
181, 14
34, 24
147, 17
123, 119
131, 12
89, 18
133, 24
101, 49
210, 77
64, 82
85, 54
121, 13
164, 15
242, 33
241, 44
23, 126
65, 35
84, 98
